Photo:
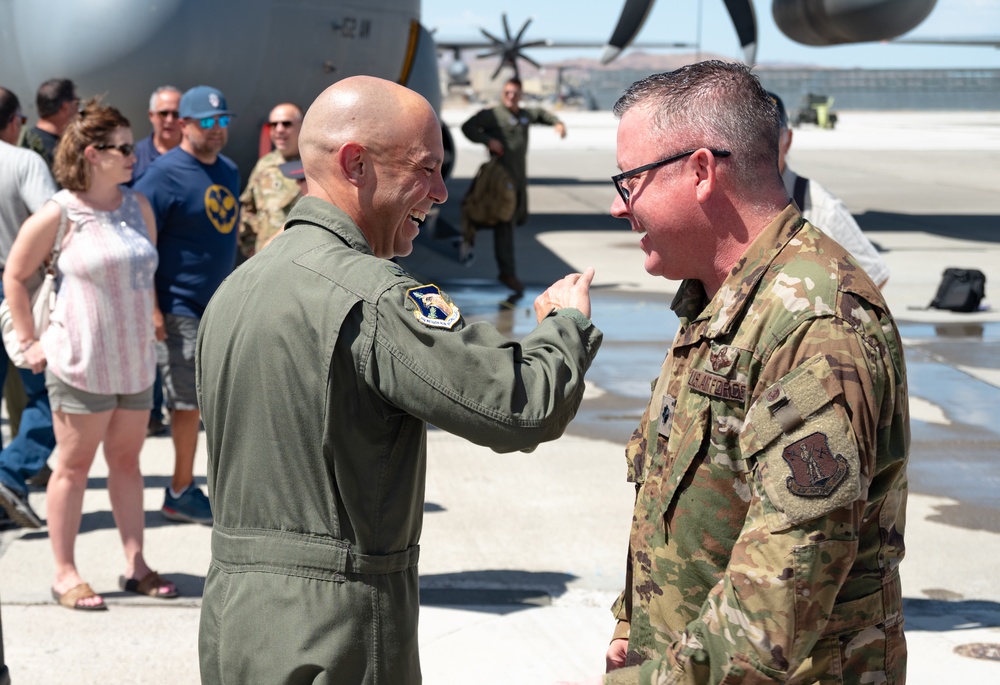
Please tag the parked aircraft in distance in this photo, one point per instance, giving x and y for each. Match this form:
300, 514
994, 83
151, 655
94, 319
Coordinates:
261, 52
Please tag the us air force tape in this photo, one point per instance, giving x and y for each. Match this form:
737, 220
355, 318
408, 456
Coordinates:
434, 308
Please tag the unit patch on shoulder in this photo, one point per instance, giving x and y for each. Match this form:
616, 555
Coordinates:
816, 471
434, 308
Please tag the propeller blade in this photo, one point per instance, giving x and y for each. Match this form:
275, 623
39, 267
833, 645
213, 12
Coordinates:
745, 23
499, 67
490, 36
632, 18
529, 60
520, 34
506, 26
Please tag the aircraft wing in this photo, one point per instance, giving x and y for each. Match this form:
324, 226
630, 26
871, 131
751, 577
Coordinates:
985, 41
444, 44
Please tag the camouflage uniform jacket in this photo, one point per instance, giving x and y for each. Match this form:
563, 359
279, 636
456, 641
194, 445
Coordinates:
265, 203
770, 472
319, 366
512, 130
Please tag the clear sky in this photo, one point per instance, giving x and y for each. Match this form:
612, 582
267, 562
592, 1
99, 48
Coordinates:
677, 21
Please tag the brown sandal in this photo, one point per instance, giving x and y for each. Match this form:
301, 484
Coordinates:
71, 598
149, 586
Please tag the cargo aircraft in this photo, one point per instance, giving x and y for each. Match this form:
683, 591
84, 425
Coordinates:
261, 52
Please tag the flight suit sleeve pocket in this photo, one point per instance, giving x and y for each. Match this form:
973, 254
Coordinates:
802, 447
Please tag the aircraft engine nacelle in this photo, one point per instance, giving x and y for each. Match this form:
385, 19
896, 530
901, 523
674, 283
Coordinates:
834, 22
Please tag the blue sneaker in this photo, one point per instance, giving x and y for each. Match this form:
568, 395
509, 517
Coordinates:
191, 507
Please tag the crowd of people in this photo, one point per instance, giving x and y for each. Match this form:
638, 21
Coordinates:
769, 466
140, 235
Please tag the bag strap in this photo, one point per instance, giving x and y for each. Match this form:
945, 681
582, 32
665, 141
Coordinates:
799, 192
60, 234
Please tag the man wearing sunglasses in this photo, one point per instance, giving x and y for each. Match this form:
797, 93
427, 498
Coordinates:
770, 464
193, 190
165, 118
269, 194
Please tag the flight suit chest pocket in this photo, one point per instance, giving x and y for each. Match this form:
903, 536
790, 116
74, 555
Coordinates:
802, 444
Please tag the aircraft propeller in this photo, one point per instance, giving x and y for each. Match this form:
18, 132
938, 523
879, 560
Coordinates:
510, 47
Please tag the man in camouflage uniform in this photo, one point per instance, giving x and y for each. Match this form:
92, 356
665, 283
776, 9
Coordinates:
504, 131
269, 193
319, 364
57, 104
770, 464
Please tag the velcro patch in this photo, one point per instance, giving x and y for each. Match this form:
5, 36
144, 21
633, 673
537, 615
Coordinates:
816, 471
808, 466
433, 307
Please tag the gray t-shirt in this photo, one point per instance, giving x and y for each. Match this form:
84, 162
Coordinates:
25, 185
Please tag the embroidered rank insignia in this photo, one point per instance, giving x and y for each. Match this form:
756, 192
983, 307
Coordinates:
666, 415
395, 269
816, 471
433, 307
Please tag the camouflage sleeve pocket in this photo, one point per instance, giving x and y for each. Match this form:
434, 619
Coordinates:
804, 446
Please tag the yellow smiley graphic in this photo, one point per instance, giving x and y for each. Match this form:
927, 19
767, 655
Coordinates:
221, 208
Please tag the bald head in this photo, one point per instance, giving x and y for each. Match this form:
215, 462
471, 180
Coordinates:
373, 148
366, 110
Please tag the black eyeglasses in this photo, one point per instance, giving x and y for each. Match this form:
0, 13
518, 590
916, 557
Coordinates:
276, 124
125, 148
168, 113
626, 193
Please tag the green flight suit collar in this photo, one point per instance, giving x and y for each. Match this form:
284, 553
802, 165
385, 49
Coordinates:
317, 212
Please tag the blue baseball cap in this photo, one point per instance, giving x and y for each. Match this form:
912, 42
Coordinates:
203, 101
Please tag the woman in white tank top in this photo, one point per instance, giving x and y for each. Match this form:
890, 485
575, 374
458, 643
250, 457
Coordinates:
98, 352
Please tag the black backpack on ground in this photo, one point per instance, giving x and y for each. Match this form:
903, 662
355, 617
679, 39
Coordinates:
961, 290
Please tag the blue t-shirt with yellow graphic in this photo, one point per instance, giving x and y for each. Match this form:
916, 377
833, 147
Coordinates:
197, 214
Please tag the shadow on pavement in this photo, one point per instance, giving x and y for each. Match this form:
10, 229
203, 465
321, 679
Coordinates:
940, 615
965, 227
493, 591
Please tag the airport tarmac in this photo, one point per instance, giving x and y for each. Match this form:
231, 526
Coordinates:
523, 554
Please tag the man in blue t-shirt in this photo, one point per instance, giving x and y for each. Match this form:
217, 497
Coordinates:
194, 191
165, 118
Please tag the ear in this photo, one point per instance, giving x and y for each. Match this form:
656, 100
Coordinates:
354, 163
90, 154
705, 174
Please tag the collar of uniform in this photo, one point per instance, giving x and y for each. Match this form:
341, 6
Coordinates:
316, 212
726, 308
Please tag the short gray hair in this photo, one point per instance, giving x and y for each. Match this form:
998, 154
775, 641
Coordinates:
713, 104
161, 89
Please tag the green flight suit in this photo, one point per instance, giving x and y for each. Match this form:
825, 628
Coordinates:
770, 472
512, 130
318, 367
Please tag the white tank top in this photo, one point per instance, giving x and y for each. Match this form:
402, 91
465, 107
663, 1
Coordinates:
101, 337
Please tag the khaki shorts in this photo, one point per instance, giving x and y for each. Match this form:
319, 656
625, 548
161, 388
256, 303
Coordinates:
70, 400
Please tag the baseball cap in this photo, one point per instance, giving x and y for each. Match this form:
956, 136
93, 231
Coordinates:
293, 169
202, 101
782, 114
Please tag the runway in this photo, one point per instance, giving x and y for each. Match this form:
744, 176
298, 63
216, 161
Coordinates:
523, 554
